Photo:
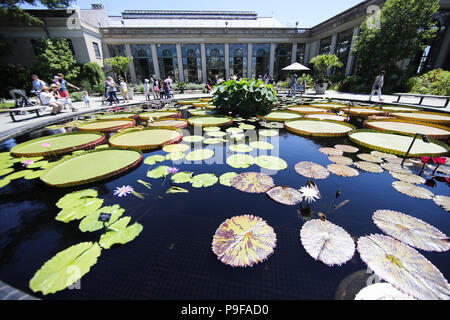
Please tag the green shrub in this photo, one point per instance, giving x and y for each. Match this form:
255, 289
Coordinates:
76, 96
244, 97
14, 76
91, 77
194, 86
353, 84
435, 82
180, 86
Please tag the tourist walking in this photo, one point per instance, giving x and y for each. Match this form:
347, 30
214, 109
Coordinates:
270, 81
47, 99
161, 89
124, 88
63, 84
86, 99
154, 87
377, 85
111, 91
147, 89
168, 87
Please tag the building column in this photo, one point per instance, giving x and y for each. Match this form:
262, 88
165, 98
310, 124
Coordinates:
351, 57
443, 51
271, 59
155, 61
249, 60
294, 53
203, 54
307, 49
132, 69
332, 50
180, 63
227, 61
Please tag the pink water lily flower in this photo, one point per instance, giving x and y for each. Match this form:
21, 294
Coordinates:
116, 108
123, 191
27, 162
425, 159
439, 160
172, 170
46, 144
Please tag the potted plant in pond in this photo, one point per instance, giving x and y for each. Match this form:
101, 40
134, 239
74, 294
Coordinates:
322, 63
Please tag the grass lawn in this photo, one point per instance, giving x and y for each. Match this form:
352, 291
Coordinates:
4, 105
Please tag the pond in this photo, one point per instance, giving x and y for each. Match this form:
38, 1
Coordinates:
172, 257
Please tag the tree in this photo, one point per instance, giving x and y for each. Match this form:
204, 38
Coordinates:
322, 63
54, 56
91, 77
11, 9
405, 26
119, 65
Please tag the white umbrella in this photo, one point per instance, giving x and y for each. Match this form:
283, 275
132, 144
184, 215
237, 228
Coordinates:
296, 66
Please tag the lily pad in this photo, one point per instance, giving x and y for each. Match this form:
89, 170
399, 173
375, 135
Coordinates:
383, 155
82, 208
369, 158
90, 223
175, 189
33, 175
158, 172
381, 291
412, 190
268, 132
182, 177
240, 161
243, 241
392, 167
120, 233
327, 242
331, 151
154, 159
341, 160
106, 125
319, 128
6, 171
285, 195
280, 116
311, 170
216, 134
76, 198
146, 138
368, 166
214, 141
411, 178
208, 129
403, 267
252, 182
176, 147
234, 130
240, 148
442, 201
18, 174
210, 121
177, 123
409, 127
159, 114
175, 156
200, 154
411, 231
245, 126
271, 162
225, 179
263, 145
193, 138
4, 182
65, 268
204, 180
346, 148
342, 170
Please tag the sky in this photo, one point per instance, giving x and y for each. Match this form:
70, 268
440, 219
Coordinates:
308, 13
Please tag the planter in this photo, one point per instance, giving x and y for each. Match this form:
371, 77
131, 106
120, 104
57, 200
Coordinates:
321, 87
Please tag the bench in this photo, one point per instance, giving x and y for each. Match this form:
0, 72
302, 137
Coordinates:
423, 96
15, 111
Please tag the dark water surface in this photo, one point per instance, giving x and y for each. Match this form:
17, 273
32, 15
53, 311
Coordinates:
172, 257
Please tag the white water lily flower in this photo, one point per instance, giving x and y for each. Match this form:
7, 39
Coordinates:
309, 194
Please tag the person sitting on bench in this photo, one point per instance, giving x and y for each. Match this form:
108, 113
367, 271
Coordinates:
49, 100
63, 100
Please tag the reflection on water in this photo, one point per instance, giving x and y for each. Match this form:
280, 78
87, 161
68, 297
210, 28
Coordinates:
172, 257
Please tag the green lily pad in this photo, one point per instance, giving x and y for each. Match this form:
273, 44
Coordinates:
6, 171
193, 138
204, 180
240, 148
225, 179
216, 134
175, 189
6, 165
70, 200
4, 182
245, 126
234, 130
175, 156
207, 129
200, 154
240, 161
182, 177
33, 175
65, 268
158, 172
268, 132
84, 207
18, 174
154, 159
120, 232
261, 145
214, 141
90, 223
271, 162
38, 164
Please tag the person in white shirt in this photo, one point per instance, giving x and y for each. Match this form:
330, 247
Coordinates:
124, 89
63, 100
48, 99
377, 85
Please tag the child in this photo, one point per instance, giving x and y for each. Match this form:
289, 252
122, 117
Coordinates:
146, 89
86, 99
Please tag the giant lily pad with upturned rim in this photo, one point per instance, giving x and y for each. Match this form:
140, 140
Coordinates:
432, 117
397, 143
117, 115
146, 138
306, 109
319, 128
159, 114
409, 127
280, 116
59, 144
91, 166
210, 121
178, 123
106, 125
326, 116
